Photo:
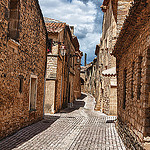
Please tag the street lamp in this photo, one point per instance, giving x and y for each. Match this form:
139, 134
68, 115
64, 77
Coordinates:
63, 50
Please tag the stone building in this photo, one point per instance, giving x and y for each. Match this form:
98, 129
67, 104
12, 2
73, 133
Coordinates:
132, 52
77, 79
23, 61
63, 66
90, 77
56, 66
106, 93
93, 77
73, 58
82, 78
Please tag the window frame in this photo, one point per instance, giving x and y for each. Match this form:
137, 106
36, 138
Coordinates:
36, 78
14, 21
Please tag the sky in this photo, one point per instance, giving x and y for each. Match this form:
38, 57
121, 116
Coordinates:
86, 17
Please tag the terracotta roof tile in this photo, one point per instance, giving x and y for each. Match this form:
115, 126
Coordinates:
53, 25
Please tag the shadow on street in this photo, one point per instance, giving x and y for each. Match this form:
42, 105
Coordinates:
76, 105
27, 133
83, 96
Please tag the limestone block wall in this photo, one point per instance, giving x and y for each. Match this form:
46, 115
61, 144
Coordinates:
49, 106
134, 114
113, 101
51, 66
19, 60
77, 82
106, 61
133, 79
59, 83
122, 11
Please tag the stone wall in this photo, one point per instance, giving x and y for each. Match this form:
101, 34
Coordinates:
122, 11
59, 85
132, 51
55, 70
51, 71
105, 99
77, 80
82, 77
20, 60
49, 106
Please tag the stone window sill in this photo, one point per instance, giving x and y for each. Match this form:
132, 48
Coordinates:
14, 42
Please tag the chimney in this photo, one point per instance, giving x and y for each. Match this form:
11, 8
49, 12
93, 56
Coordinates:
85, 59
72, 29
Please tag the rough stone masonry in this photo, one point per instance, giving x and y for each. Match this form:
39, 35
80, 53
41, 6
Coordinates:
23, 58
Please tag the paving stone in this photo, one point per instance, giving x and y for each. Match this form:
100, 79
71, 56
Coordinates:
79, 129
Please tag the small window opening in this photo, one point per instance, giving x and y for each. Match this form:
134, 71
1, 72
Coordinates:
14, 20
33, 93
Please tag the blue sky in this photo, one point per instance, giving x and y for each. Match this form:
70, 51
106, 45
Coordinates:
85, 15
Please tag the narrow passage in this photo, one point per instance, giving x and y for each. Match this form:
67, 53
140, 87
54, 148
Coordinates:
77, 128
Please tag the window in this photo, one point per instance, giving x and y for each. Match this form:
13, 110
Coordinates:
139, 70
49, 46
14, 20
132, 81
33, 92
21, 83
124, 87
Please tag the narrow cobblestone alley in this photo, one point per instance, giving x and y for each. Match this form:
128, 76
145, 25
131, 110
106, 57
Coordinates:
77, 128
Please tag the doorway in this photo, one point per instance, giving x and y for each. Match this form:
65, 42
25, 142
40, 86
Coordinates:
33, 92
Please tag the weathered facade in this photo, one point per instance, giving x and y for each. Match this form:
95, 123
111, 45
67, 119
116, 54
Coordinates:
90, 77
56, 64
82, 78
63, 66
23, 60
73, 59
132, 52
77, 79
106, 91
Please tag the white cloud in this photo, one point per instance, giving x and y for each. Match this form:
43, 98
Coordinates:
78, 14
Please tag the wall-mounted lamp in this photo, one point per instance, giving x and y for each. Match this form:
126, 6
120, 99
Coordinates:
63, 50
78, 59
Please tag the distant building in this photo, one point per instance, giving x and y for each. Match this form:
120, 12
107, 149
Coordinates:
56, 66
82, 78
63, 66
90, 77
106, 91
132, 52
77, 67
23, 62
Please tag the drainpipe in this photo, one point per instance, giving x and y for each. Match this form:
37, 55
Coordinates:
61, 91
45, 73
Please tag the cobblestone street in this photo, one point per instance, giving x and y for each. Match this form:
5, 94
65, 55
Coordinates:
77, 128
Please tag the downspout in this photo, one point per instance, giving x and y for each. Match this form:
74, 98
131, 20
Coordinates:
61, 73
45, 73
61, 91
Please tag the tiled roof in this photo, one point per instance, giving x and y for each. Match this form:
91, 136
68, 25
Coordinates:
53, 25
110, 72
